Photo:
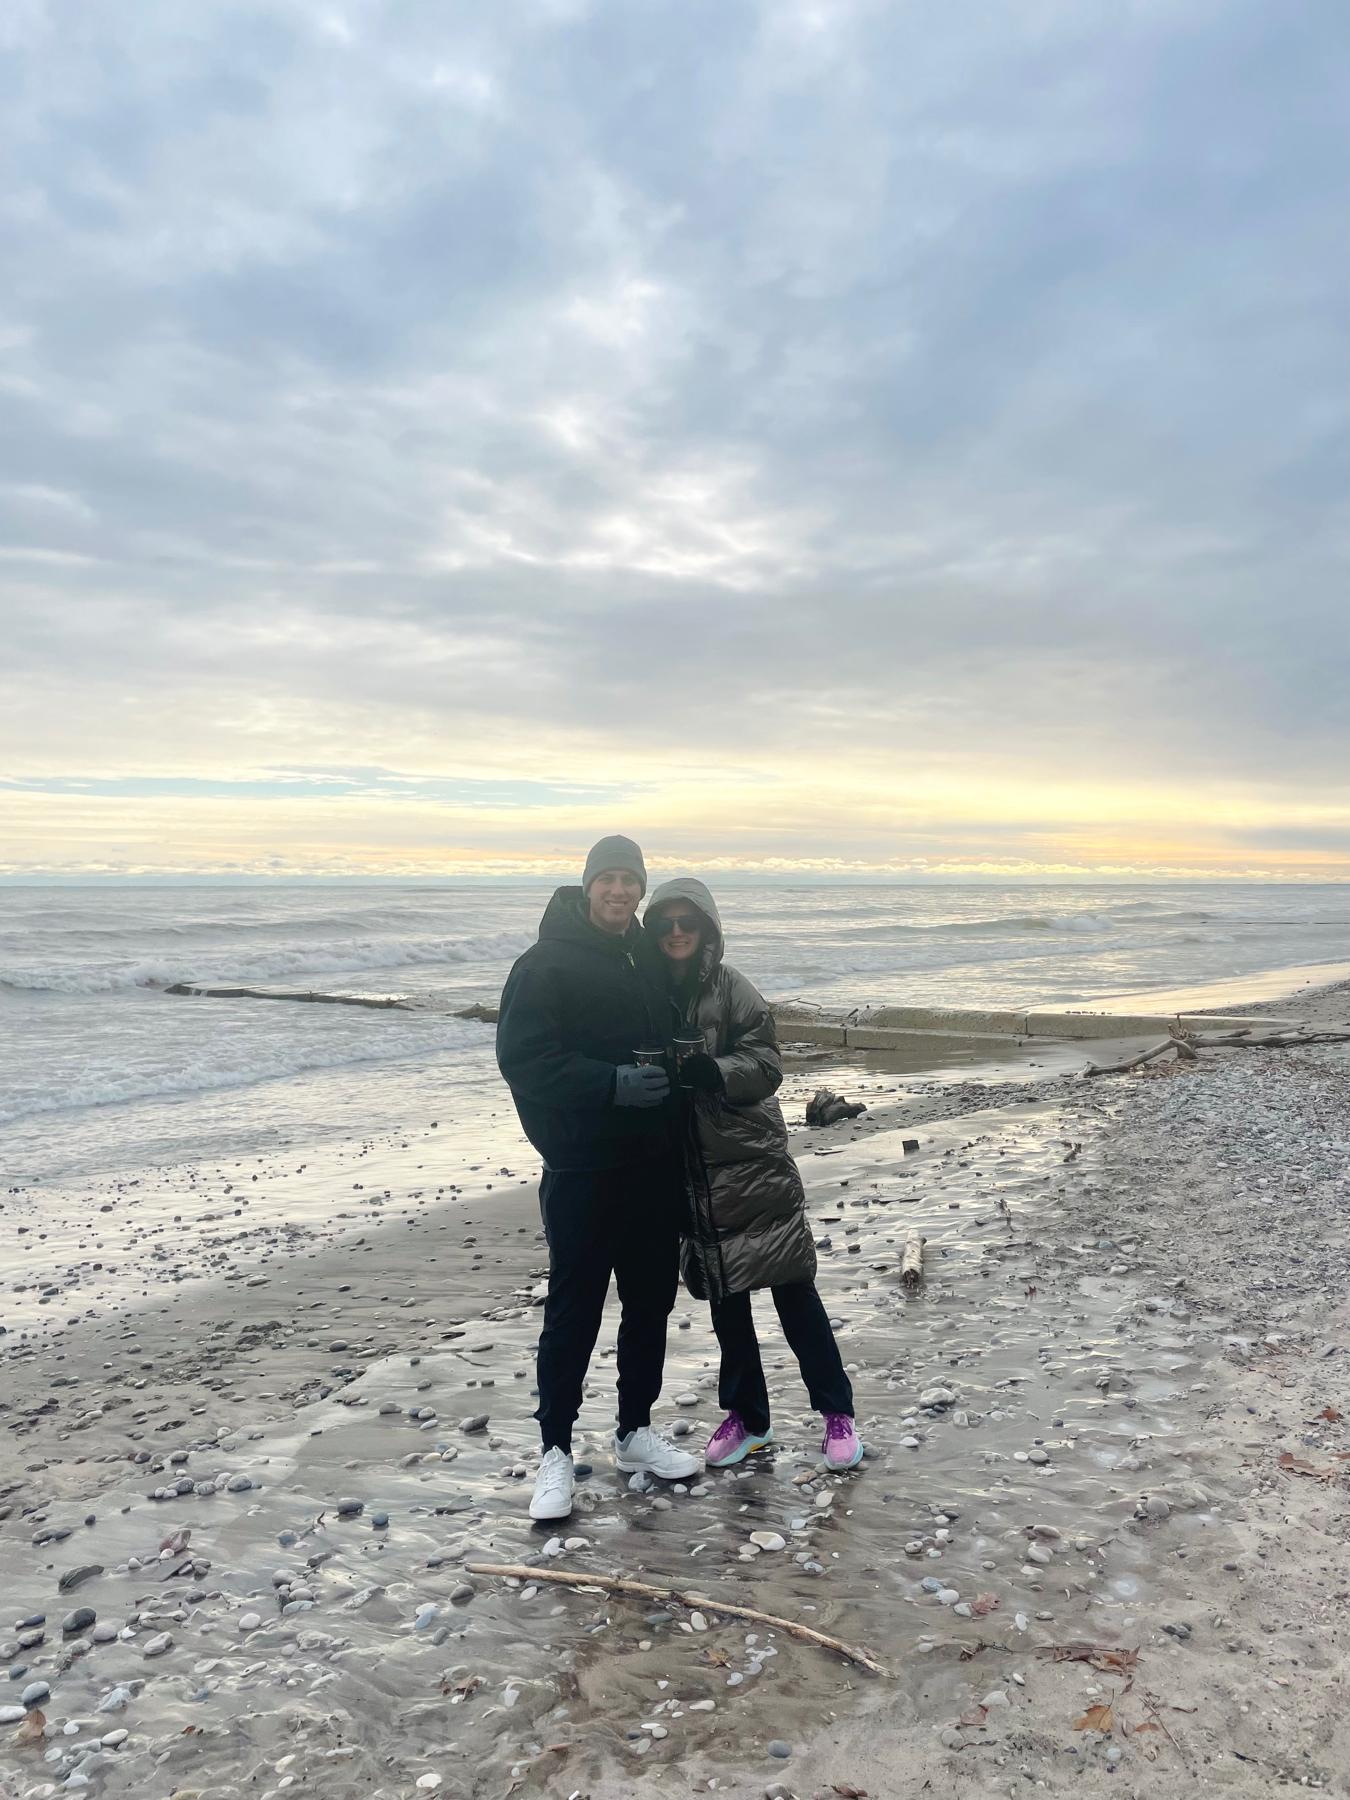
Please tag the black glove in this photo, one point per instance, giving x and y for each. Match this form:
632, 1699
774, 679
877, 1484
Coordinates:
700, 1072
640, 1084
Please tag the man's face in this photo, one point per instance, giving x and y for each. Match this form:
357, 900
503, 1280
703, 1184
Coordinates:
614, 896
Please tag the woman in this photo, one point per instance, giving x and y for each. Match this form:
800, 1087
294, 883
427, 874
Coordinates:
749, 1226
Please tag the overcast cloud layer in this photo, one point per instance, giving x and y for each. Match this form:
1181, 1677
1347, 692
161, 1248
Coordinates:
838, 433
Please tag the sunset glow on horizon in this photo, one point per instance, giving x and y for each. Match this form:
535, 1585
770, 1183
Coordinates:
817, 438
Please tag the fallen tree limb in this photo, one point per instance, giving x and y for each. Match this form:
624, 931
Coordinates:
1187, 1049
1276, 1040
1135, 1062
247, 993
642, 1590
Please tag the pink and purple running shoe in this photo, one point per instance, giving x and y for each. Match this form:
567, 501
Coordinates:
733, 1441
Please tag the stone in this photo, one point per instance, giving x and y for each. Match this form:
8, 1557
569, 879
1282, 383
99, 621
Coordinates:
250, 1621
239, 1484
74, 1578
350, 1507
79, 1620
476, 1422
462, 1594
35, 1693
936, 1396
115, 1701
780, 1748
157, 1645
768, 1540
1039, 1457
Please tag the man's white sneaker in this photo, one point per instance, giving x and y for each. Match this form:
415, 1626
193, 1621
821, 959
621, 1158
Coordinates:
553, 1486
647, 1450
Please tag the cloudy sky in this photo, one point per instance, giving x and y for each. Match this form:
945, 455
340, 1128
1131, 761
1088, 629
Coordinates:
823, 434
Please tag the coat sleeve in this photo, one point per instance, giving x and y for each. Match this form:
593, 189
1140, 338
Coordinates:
531, 1048
750, 1064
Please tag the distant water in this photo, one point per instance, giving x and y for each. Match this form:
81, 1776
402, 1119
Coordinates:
100, 1067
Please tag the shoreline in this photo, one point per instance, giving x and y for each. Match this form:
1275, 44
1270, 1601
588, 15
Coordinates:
1137, 1256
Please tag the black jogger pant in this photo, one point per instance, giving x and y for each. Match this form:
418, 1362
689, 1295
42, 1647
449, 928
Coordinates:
599, 1222
806, 1326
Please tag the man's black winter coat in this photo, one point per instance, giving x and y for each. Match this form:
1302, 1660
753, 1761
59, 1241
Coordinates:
576, 1005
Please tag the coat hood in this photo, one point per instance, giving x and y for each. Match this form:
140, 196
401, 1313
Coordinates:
685, 887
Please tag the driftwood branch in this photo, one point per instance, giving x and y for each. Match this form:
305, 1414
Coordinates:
1274, 1040
1187, 1049
1166, 1047
642, 1590
247, 993
911, 1262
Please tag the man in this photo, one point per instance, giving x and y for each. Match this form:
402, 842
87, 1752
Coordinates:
575, 1010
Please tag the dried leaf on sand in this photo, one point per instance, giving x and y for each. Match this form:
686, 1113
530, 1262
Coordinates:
983, 1604
1102, 1657
1096, 1718
33, 1730
846, 1791
1298, 1465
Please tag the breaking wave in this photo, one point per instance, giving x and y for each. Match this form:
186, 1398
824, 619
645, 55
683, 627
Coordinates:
336, 957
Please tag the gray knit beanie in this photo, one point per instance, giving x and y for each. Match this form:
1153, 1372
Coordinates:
614, 853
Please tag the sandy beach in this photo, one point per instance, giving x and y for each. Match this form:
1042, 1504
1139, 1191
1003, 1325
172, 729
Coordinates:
259, 1415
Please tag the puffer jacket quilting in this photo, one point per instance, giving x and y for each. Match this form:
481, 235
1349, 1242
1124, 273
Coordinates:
748, 1206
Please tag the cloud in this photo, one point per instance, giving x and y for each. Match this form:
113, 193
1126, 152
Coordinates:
827, 395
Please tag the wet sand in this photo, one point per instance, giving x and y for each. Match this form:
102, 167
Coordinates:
1135, 1302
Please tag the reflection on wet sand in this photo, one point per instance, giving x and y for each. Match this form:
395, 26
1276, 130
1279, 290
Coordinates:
320, 1617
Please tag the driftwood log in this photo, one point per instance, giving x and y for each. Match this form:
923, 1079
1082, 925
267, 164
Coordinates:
485, 1015
1186, 1049
247, 993
1184, 1053
911, 1262
642, 1590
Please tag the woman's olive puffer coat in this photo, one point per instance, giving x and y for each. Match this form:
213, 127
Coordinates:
748, 1207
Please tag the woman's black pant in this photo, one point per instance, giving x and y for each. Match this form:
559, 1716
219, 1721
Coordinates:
806, 1326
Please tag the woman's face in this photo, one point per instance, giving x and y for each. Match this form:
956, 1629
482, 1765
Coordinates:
679, 930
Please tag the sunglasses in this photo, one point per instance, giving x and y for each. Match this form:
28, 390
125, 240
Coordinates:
682, 922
